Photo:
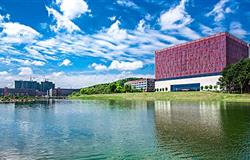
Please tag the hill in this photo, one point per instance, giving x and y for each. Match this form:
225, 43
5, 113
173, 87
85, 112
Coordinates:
108, 88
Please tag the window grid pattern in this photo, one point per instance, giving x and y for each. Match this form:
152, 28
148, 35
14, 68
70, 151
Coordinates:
204, 56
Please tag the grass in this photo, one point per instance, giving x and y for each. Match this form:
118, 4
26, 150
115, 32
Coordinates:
206, 96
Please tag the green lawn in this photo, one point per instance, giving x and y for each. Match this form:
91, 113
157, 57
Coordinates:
207, 96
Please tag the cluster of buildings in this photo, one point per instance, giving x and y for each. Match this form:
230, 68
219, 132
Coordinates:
34, 88
189, 66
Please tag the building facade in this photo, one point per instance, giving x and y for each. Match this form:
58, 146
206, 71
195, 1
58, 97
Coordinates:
63, 92
46, 86
34, 85
145, 84
198, 63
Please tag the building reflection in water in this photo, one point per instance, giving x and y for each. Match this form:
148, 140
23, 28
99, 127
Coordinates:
201, 129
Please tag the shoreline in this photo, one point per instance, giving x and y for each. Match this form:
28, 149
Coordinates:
24, 100
18, 100
187, 96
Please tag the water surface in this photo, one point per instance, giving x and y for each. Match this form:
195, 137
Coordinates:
125, 130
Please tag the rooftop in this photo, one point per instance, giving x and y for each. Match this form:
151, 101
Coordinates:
203, 39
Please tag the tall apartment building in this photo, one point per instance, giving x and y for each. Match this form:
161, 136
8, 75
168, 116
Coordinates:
34, 85
27, 85
46, 86
198, 63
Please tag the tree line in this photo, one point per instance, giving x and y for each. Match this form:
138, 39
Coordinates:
236, 77
108, 88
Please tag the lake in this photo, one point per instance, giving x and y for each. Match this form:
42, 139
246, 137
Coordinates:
89, 129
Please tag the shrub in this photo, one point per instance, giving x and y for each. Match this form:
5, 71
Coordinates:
210, 87
206, 87
215, 87
202, 87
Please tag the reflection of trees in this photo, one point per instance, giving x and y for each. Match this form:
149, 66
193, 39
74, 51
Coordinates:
200, 129
235, 119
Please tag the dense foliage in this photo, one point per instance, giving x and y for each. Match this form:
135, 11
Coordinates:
108, 88
236, 77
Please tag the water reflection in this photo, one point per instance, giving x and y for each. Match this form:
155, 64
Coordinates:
111, 129
203, 129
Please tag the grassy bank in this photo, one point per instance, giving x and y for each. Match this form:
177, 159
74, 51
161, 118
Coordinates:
206, 96
12, 99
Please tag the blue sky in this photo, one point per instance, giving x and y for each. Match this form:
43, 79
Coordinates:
77, 43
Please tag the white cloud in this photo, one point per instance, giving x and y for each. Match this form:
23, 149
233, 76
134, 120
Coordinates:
206, 30
28, 62
125, 66
175, 17
127, 3
103, 45
57, 74
73, 8
112, 18
38, 63
17, 33
99, 67
25, 71
70, 10
4, 73
116, 32
148, 17
4, 18
61, 23
176, 20
237, 30
66, 62
220, 10
119, 65
141, 25
5, 61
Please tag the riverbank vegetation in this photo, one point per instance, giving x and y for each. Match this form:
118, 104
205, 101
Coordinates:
7, 99
236, 77
108, 88
204, 96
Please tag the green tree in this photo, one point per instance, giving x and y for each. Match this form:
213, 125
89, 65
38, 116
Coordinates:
128, 88
202, 87
112, 87
83, 91
210, 87
206, 87
216, 87
118, 89
236, 77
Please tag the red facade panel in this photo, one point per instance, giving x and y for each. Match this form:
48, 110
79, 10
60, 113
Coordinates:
236, 50
204, 56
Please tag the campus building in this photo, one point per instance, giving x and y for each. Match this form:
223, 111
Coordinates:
34, 88
33, 85
145, 84
46, 86
198, 63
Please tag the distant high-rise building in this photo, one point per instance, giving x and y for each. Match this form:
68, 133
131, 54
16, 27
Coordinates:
27, 85
46, 86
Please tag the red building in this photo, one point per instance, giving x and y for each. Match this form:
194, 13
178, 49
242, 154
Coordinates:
200, 58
